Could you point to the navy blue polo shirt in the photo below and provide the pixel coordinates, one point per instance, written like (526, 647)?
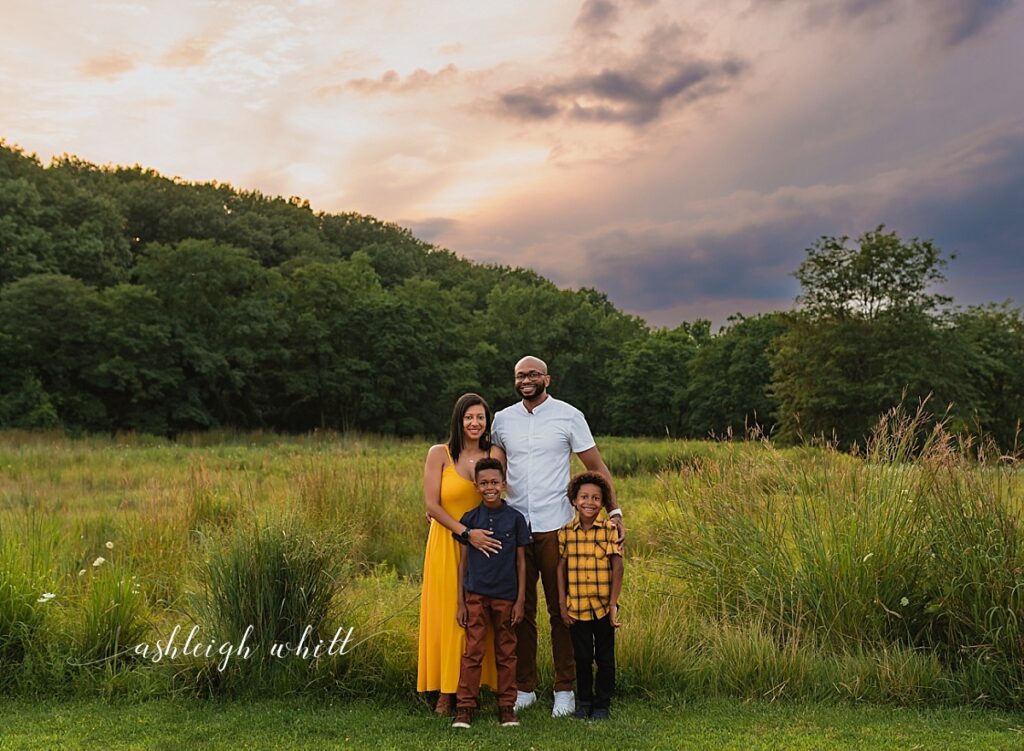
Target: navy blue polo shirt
(495, 576)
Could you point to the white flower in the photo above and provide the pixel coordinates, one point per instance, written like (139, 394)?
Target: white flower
(904, 601)
(82, 572)
(109, 545)
(100, 560)
(865, 558)
(47, 596)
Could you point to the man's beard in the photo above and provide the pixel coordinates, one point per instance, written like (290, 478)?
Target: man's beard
(538, 393)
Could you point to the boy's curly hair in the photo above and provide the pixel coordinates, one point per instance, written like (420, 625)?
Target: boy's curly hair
(589, 478)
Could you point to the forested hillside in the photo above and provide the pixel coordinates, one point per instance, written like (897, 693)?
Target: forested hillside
(131, 301)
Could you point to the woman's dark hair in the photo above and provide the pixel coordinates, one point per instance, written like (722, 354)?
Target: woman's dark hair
(463, 403)
(589, 478)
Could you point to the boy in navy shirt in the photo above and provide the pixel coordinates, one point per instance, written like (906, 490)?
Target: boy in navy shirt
(492, 592)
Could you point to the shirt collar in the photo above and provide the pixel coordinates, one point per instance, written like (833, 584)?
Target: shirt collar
(539, 408)
(599, 523)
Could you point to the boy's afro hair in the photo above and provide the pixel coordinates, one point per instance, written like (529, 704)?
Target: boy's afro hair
(589, 478)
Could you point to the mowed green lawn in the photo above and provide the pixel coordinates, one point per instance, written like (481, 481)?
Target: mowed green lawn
(637, 724)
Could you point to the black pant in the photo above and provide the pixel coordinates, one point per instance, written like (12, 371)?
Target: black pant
(594, 641)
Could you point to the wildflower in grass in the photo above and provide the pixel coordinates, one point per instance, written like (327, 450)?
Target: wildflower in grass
(865, 558)
(904, 601)
(109, 545)
(82, 572)
(46, 597)
(100, 560)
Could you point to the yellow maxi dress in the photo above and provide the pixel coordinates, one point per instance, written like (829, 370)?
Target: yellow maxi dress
(442, 640)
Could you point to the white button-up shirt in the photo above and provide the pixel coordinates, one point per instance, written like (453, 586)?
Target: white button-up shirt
(538, 446)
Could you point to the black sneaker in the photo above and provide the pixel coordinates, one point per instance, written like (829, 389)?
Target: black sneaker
(600, 713)
(582, 710)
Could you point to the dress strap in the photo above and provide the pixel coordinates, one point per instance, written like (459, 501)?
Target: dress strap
(448, 451)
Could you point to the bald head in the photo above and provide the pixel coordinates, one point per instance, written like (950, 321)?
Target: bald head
(531, 363)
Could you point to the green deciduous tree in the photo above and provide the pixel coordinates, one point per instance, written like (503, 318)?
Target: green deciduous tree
(881, 275)
(225, 315)
(870, 333)
(329, 317)
(729, 389)
(136, 373)
(649, 383)
(992, 340)
(47, 336)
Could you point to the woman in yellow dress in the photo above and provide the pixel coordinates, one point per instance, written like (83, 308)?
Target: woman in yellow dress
(449, 492)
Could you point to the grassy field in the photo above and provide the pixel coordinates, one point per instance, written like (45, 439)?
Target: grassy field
(637, 724)
(753, 572)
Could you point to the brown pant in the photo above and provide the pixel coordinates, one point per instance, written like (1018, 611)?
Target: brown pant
(542, 558)
(481, 611)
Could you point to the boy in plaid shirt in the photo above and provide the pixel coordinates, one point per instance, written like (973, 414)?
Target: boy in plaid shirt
(589, 582)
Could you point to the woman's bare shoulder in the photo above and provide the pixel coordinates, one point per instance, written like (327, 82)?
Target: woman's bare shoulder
(438, 453)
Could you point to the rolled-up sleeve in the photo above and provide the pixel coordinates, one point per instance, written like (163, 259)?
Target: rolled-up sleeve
(580, 437)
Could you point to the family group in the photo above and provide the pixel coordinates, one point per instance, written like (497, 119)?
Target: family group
(504, 512)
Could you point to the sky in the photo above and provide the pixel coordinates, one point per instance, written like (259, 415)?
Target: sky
(679, 156)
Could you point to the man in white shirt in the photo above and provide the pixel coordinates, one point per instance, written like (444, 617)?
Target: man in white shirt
(539, 435)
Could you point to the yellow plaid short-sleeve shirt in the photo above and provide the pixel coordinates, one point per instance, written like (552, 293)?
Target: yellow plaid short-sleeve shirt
(588, 555)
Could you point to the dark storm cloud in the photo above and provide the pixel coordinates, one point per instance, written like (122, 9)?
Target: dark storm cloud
(958, 20)
(636, 91)
(950, 21)
(635, 94)
(392, 83)
(657, 269)
(528, 104)
(597, 15)
(984, 225)
(826, 11)
(850, 10)
(969, 203)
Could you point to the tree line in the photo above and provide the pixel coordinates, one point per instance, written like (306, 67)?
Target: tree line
(134, 302)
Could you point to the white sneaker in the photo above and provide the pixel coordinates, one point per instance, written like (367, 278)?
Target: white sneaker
(524, 699)
(565, 704)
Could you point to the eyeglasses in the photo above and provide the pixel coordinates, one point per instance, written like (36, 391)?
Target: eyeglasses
(533, 375)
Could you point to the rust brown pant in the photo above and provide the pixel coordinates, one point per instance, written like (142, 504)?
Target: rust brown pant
(481, 611)
(542, 560)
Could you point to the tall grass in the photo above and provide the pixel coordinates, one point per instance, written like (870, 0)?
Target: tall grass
(751, 570)
(627, 457)
(378, 500)
(912, 548)
(111, 617)
(28, 545)
(273, 578)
